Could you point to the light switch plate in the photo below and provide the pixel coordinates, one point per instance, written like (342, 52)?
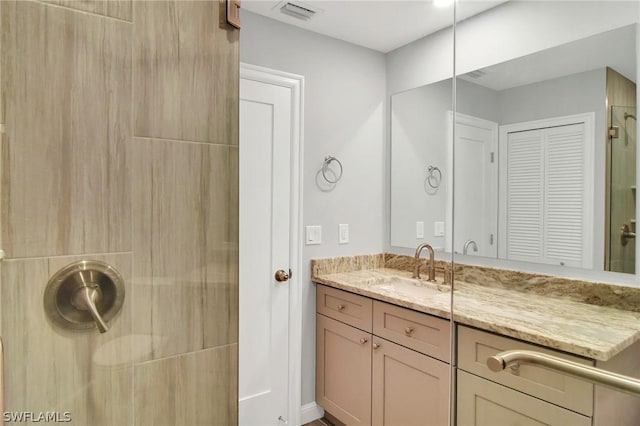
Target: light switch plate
(438, 229)
(343, 233)
(419, 229)
(313, 235)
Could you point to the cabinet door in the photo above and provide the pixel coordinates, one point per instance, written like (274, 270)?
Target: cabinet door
(409, 388)
(484, 403)
(343, 371)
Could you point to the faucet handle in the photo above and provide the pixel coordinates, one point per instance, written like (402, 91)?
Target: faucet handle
(447, 274)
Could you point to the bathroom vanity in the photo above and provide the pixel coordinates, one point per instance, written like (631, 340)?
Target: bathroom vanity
(384, 340)
(379, 363)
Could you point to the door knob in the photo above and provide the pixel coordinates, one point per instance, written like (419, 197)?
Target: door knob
(281, 275)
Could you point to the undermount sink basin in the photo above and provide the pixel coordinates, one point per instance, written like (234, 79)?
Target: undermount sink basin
(406, 286)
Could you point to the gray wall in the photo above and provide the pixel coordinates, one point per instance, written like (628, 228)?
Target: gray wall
(577, 93)
(478, 101)
(344, 116)
(419, 132)
(419, 121)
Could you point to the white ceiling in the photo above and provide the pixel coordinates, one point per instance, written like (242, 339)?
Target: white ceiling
(609, 49)
(381, 25)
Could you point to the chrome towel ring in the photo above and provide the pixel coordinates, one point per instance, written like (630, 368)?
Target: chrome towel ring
(325, 167)
(434, 176)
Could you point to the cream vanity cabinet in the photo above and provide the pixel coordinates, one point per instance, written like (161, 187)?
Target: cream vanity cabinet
(380, 364)
(524, 395)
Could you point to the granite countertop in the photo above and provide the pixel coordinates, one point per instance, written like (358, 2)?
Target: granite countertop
(597, 332)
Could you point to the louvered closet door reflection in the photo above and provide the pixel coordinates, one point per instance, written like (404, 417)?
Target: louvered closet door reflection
(525, 176)
(564, 195)
(546, 195)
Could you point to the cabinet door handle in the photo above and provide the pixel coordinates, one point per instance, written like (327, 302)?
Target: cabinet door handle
(408, 330)
(376, 346)
(340, 307)
(363, 340)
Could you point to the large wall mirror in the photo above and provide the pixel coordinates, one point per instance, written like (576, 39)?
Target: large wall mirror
(543, 167)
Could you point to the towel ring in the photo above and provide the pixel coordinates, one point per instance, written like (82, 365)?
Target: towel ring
(325, 166)
(434, 176)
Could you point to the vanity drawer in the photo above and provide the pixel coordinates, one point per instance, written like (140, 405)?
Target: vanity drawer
(482, 402)
(475, 346)
(421, 332)
(343, 306)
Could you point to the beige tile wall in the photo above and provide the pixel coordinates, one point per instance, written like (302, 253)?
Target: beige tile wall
(188, 283)
(121, 145)
(182, 58)
(51, 369)
(66, 88)
(181, 390)
(121, 9)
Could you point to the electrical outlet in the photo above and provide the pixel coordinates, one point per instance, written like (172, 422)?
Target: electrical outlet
(419, 229)
(438, 229)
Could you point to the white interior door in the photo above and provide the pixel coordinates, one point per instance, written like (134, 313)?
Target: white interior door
(476, 185)
(265, 199)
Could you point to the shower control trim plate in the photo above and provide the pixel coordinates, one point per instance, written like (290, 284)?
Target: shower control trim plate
(84, 295)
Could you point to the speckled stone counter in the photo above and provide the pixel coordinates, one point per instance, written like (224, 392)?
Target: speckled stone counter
(594, 320)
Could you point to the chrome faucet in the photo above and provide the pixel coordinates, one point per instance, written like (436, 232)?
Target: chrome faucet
(467, 244)
(432, 263)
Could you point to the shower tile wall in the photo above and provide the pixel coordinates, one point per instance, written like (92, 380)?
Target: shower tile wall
(49, 369)
(621, 92)
(184, 287)
(66, 87)
(120, 145)
(116, 9)
(180, 90)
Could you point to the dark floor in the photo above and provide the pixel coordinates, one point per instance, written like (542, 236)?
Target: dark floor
(319, 422)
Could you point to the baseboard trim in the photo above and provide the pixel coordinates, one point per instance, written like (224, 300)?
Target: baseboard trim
(310, 412)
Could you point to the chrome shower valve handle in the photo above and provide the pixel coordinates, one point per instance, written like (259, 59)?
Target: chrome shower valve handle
(84, 295)
(86, 298)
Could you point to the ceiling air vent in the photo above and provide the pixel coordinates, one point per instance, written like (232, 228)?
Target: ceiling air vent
(297, 10)
(477, 73)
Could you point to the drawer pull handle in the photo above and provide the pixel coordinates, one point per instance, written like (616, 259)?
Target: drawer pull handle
(363, 341)
(340, 307)
(598, 376)
(408, 330)
(376, 346)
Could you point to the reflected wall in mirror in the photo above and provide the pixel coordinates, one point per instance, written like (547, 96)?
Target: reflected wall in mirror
(537, 175)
